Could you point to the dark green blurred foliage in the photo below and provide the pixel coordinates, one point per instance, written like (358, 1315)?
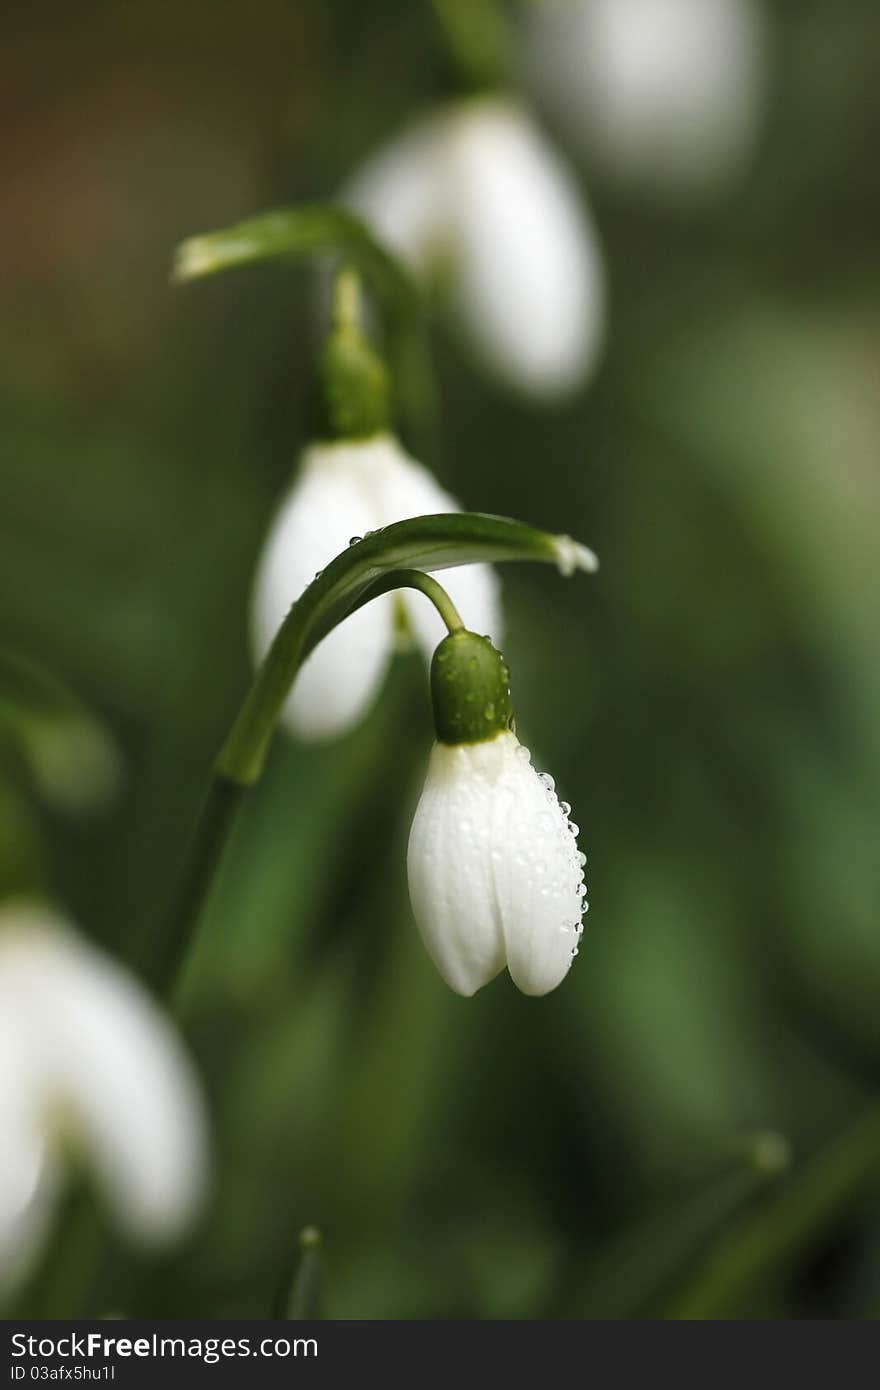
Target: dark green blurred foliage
(709, 703)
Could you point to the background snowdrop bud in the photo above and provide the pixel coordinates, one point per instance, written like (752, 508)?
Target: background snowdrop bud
(495, 875)
(666, 93)
(476, 196)
(528, 283)
(89, 1061)
(344, 490)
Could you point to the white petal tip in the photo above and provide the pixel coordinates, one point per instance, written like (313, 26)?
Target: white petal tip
(572, 556)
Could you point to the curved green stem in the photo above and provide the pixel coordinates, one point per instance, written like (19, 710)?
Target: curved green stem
(300, 233)
(424, 584)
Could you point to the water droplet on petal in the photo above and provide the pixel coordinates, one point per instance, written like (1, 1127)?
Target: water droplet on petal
(355, 540)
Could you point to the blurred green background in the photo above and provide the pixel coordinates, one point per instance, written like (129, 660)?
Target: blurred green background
(709, 703)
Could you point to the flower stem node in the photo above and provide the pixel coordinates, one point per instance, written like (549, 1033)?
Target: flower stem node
(353, 386)
(470, 689)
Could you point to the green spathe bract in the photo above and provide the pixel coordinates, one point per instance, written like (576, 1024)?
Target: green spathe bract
(354, 388)
(354, 578)
(470, 689)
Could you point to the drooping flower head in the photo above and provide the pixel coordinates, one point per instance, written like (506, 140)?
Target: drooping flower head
(91, 1068)
(355, 481)
(495, 874)
(475, 195)
(665, 94)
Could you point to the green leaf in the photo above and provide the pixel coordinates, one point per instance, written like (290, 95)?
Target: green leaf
(425, 543)
(298, 233)
(631, 1276)
(768, 1242)
(303, 1298)
(316, 229)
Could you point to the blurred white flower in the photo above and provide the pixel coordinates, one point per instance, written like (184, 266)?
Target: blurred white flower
(495, 875)
(476, 196)
(343, 490)
(666, 93)
(90, 1069)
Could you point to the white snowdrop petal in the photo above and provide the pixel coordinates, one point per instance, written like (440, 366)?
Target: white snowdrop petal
(332, 500)
(396, 191)
(338, 682)
(128, 1087)
(103, 1067)
(410, 490)
(665, 92)
(91, 1062)
(343, 491)
(27, 1186)
(494, 869)
(450, 867)
(537, 874)
(475, 197)
(529, 282)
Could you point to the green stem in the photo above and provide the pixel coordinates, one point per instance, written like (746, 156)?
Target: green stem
(347, 297)
(416, 579)
(224, 800)
(300, 1297)
(767, 1242)
(478, 40)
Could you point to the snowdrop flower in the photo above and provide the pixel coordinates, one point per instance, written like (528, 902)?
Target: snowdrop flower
(495, 874)
(89, 1067)
(343, 490)
(476, 195)
(666, 93)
